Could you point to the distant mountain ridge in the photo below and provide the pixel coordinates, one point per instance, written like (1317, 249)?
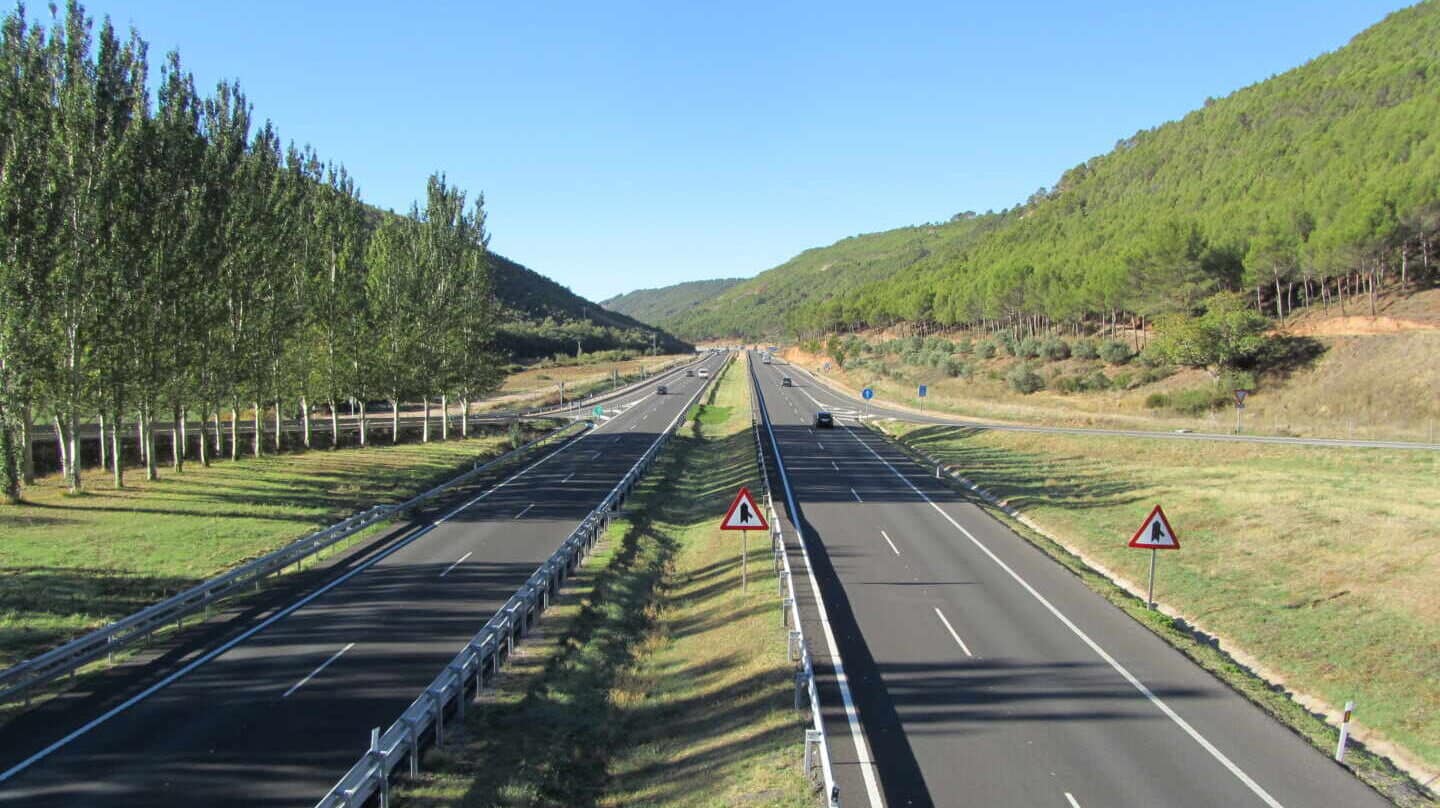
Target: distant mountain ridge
(662, 304)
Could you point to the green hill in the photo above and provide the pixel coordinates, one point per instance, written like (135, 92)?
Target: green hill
(660, 306)
(1317, 186)
(541, 318)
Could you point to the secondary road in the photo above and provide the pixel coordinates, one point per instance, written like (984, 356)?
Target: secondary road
(278, 717)
(845, 401)
(984, 673)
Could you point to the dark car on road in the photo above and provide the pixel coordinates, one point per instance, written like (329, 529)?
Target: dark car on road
(824, 420)
(661, 390)
(785, 382)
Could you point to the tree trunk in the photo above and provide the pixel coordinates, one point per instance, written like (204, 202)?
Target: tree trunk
(1404, 269)
(305, 418)
(177, 441)
(75, 460)
(204, 454)
(152, 471)
(219, 434)
(334, 426)
(115, 456)
(465, 417)
(1370, 279)
(394, 420)
(444, 418)
(425, 423)
(9, 461)
(279, 425)
(259, 430)
(104, 456)
(62, 447)
(27, 445)
(140, 437)
(235, 431)
(364, 424)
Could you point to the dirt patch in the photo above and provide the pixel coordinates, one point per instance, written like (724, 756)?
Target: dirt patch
(1358, 326)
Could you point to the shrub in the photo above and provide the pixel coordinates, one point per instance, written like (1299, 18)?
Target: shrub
(1028, 348)
(1154, 374)
(913, 358)
(1066, 384)
(985, 350)
(1116, 352)
(954, 368)
(965, 346)
(1157, 401)
(1199, 400)
(1095, 380)
(1085, 349)
(1123, 381)
(1055, 349)
(1008, 342)
(1023, 379)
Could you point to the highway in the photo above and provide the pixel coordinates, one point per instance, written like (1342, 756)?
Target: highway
(845, 401)
(281, 711)
(984, 673)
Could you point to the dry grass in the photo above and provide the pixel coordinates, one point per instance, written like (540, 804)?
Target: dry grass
(1320, 563)
(537, 379)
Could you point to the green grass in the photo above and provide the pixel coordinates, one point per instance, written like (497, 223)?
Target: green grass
(657, 682)
(1319, 563)
(69, 564)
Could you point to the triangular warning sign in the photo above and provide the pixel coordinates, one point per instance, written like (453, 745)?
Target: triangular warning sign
(1155, 533)
(743, 514)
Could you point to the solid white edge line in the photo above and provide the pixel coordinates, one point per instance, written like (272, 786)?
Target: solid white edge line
(312, 674)
(280, 615)
(953, 632)
(862, 749)
(1085, 638)
(523, 512)
(856, 496)
(1071, 799)
(891, 543)
(457, 563)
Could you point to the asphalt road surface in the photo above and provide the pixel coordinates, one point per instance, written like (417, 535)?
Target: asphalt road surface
(277, 718)
(984, 673)
(847, 403)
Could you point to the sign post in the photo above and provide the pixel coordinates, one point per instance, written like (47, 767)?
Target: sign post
(744, 516)
(1154, 534)
(922, 393)
(1239, 405)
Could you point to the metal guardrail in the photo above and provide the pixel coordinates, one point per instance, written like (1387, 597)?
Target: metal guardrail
(477, 663)
(817, 747)
(68, 658)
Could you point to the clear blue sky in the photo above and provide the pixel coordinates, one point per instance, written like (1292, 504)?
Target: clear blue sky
(624, 145)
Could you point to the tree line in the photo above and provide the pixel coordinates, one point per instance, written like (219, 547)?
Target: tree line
(165, 254)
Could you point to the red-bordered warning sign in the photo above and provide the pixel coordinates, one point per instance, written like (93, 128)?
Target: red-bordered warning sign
(744, 514)
(1155, 533)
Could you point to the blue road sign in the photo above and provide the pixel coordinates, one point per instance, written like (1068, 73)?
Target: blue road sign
(922, 391)
(867, 394)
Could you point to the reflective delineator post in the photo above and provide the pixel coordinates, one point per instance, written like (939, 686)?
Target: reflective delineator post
(1344, 732)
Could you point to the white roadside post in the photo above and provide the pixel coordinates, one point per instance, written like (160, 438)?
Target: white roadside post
(1344, 732)
(1154, 534)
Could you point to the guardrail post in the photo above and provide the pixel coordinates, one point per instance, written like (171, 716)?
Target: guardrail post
(785, 609)
(812, 749)
(414, 741)
(377, 759)
(795, 644)
(459, 671)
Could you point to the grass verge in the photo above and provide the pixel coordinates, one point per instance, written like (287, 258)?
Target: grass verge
(69, 564)
(658, 681)
(1315, 565)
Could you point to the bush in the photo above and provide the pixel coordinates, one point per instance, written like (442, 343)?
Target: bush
(1199, 400)
(1066, 384)
(1008, 342)
(913, 358)
(1028, 348)
(985, 350)
(1156, 401)
(1085, 349)
(965, 347)
(1055, 349)
(1123, 381)
(955, 368)
(1116, 352)
(1151, 375)
(1095, 380)
(1023, 379)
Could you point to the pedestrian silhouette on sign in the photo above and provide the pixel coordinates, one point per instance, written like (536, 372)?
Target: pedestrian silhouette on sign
(1157, 533)
(744, 513)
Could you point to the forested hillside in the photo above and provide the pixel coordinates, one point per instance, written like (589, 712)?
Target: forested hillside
(539, 317)
(1319, 186)
(660, 306)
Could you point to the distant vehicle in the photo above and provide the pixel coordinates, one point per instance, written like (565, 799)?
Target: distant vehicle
(689, 373)
(661, 390)
(704, 373)
(785, 382)
(824, 420)
(766, 359)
